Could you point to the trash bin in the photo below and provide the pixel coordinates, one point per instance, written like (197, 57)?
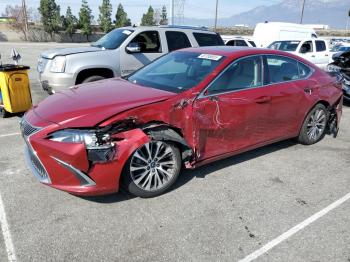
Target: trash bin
(15, 96)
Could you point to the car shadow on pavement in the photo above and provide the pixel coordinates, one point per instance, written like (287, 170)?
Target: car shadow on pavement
(201, 172)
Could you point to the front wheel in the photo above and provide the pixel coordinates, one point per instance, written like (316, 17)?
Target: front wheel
(152, 169)
(93, 79)
(314, 126)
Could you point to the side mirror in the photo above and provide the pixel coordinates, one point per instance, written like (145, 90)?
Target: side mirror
(133, 48)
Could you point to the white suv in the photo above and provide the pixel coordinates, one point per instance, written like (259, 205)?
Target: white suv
(118, 53)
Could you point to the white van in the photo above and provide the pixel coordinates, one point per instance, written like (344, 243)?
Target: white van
(266, 33)
(314, 50)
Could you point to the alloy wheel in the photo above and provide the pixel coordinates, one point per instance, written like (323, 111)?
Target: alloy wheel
(316, 124)
(153, 166)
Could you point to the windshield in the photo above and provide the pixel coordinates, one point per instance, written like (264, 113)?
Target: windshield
(113, 39)
(285, 45)
(177, 71)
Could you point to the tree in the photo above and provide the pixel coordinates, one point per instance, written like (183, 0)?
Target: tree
(163, 16)
(70, 23)
(19, 22)
(50, 16)
(104, 19)
(121, 17)
(85, 19)
(148, 18)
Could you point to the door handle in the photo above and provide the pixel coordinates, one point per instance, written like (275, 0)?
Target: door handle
(308, 90)
(261, 100)
(313, 56)
(326, 55)
(214, 98)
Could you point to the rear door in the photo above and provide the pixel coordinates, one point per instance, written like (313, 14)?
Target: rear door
(288, 89)
(233, 112)
(322, 55)
(151, 49)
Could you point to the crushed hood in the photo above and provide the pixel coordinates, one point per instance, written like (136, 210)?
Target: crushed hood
(52, 53)
(89, 104)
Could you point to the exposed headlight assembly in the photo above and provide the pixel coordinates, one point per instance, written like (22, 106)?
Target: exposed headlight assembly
(58, 64)
(99, 146)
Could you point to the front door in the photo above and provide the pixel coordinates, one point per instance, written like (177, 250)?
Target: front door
(307, 51)
(232, 112)
(151, 49)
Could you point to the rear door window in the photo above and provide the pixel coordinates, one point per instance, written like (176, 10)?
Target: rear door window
(281, 69)
(177, 40)
(320, 46)
(204, 39)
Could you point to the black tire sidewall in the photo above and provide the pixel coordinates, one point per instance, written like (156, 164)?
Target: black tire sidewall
(303, 137)
(128, 184)
(93, 79)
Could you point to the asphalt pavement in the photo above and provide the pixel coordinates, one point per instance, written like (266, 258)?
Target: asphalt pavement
(224, 211)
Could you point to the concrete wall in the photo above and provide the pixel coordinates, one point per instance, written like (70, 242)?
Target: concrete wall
(7, 34)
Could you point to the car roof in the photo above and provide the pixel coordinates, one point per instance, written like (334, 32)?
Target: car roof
(235, 51)
(171, 28)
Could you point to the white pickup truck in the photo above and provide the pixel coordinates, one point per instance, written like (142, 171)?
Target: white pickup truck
(313, 50)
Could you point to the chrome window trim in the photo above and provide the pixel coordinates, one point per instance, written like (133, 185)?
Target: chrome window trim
(202, 95)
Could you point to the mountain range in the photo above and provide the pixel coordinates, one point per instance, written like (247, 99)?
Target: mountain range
(332, 12)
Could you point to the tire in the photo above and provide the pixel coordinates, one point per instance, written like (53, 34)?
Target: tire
(4, 113)
(147, 174)
(93, 79)
(314, 126)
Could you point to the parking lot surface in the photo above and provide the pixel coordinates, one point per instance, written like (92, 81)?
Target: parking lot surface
(224, 211)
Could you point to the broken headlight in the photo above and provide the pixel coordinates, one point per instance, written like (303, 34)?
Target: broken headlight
(87, 137)
(99, 146)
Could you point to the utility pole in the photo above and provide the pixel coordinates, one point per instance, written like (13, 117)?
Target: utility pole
(173, 12)
(302, 12)
(216, 15)
(25, 17)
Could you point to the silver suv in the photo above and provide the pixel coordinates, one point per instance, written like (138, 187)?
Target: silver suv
(118, 53)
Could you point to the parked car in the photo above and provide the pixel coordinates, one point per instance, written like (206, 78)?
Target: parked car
(340, 68)
(188, 108)
(266, 33)
(237, 41)
(338, 49)
(314, 50)
(118, 53)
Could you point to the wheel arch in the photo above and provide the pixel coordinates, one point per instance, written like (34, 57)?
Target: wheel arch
(165, 132)
(87, 72)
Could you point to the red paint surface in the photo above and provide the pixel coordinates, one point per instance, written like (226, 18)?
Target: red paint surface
(236, 122)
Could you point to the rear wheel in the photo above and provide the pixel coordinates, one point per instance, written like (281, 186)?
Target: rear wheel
(152, 169)
(93, 79)
(314, 126)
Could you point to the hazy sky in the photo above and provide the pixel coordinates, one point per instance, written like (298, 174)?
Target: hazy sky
(135, 8)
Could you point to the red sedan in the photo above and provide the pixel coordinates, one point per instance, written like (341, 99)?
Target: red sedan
(186, 109)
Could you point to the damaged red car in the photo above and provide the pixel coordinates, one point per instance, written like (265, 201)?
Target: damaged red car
(186, 109)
